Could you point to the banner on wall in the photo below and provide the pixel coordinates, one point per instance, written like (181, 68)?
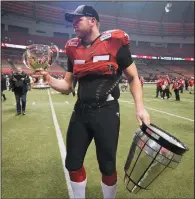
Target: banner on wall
(134, 56)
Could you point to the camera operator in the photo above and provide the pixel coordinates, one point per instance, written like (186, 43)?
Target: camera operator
(20, 81)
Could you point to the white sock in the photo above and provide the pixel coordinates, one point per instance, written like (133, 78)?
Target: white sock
(108, 191)
(78, 188)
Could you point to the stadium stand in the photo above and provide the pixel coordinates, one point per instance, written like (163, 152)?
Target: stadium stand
(150, 69)
(143, 48)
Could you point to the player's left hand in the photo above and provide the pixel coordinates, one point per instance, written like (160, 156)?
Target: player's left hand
(142, 115)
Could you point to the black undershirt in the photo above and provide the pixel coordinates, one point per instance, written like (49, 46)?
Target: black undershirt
(96, 87)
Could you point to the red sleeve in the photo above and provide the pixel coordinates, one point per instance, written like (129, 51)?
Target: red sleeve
(119, 37)
(122, 36)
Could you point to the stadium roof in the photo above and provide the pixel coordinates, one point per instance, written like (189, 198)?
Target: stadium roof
(182, 11)
(140, 18)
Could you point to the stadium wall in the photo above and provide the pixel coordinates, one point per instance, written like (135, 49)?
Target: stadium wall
(50, 28)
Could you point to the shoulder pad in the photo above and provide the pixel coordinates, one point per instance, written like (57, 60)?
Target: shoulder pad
(72, 42)
(106, 35)
(110, 31)
(116, 34)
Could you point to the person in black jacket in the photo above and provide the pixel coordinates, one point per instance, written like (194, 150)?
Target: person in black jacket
(3, 86)
(20, 81)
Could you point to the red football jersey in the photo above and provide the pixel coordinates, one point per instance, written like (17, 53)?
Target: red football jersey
(100, 57)
(182, 82)
(165, 82)
(159, 82)
(176, 84)
(191, 82)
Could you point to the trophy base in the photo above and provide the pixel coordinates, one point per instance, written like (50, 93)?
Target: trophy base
(41, 86)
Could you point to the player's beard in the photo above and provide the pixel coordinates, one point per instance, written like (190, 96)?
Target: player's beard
(82, 34)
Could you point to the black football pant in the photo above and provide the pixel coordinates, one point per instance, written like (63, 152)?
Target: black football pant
(101, 124)
(177, 97)
(158, 90)
(166, 92)
(181, 89)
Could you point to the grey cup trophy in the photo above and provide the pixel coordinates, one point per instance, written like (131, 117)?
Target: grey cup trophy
(40, 57)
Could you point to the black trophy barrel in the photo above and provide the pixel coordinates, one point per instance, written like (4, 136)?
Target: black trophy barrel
(162, 141)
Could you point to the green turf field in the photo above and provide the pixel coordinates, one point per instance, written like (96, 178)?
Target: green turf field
(31, 161)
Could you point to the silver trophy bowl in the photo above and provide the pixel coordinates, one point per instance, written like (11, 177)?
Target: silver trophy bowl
(153, 151)
(40, 57)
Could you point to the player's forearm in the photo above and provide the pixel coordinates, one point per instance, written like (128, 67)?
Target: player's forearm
(60, 85)
(136, 91)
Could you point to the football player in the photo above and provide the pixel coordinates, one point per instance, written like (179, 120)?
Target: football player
(159, 86)
(175, 87)
(191, 84)
(97, 60)
(165, 87)
(124, 87)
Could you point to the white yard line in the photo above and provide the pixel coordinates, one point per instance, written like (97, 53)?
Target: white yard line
(185, 118)
(161, 100)
(171, 99)
(61, 146)
(186, 100)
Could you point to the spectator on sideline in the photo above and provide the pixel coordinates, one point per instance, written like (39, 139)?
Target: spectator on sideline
(20, 82)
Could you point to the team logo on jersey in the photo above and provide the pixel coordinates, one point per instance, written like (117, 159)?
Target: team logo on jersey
(105, 36)
(73, 43)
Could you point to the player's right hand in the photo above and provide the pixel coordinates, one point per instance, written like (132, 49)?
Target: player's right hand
(43, 73)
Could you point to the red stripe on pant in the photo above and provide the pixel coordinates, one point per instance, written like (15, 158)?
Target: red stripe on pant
(109, 180)
(78, 176)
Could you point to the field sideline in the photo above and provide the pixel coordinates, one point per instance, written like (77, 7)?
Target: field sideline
(32, 162)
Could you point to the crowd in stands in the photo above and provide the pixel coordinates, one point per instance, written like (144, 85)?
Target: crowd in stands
(143, 48)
